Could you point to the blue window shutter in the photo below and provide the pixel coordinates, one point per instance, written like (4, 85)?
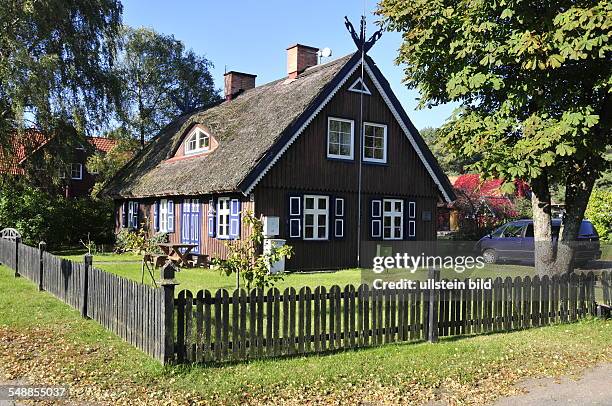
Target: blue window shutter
(376, 219)
(156, 216)
(295, 216)
(170, 216)
(212, 225)
(338, 217)
(124, 215)
(234, 232)
(410, 220)
(136, 219)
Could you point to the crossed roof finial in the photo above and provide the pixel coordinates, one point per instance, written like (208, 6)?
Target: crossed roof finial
(360, 40)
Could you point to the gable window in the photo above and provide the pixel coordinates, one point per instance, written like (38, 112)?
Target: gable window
(374, 142)
(340, 138)
(316, 214)
(393, 219)
(76, 171)
(223, 217)
(198, 141)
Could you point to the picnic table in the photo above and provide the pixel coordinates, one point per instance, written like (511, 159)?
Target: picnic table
(179, 253)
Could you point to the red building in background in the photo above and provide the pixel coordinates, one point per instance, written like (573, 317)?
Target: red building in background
(77, 180)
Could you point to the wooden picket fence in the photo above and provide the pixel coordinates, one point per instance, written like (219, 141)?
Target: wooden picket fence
(256, 324)
(132, 311)
(243, 325)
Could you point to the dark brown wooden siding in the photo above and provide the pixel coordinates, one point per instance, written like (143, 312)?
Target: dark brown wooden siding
(212, 246)
(305, 168)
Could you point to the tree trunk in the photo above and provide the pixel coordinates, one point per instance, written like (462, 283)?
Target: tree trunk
(542, 230)
(578, 188)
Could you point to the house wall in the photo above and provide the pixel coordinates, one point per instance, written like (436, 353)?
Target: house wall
(305, 168)
(214, 247)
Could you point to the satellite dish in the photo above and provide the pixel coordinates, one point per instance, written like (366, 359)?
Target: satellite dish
(325, 52)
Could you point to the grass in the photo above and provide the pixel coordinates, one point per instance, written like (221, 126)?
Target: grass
(45, 341)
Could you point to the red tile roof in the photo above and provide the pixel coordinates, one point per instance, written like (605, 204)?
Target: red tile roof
(102, 144)
(30, 141)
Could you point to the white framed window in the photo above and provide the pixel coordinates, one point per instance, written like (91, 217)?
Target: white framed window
(374, 142)
(76, 171)
(132, 215)
(197, 141)
(163, 215)
(223, 217)
(316, 217)
(393, 219)
(340, 138)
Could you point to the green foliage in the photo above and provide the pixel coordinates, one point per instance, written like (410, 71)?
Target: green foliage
(522, 208)
(41, 216)
(107, 165)
(599, 212)
(160, 80)
(245, 258)
(534, 83)
(138, 241)
(55, 58)
(451, 162)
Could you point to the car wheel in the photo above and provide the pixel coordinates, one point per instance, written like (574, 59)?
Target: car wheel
(490, 256)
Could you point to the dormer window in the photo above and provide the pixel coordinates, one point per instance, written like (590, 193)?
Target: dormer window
(198, 141)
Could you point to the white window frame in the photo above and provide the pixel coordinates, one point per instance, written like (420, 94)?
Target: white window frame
(337, 156)
(375, 160)
(315, 212)
(195, 136)
(163, 216)
(393, 214)
(223, 217)
(130, 219)
(80, 167)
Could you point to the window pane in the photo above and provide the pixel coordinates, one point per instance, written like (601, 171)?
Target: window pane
(334, 149)
(345, 150)
(387, 205)
(334, 125)
(308, 231)
(334, 137)
(398, 206)
(309, 203)
(321, 220)
(322, 204)
(309, 219)
(321, 232)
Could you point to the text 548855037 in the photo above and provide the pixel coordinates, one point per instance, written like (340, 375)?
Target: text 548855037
(41, 392)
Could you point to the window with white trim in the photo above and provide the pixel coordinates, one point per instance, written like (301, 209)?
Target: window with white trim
(223, 217)
(132, 214)
(393, 219)
(340, 138)
(76, 171)
(163, 215)
(198, 141)
(316, 217)
(374, 142)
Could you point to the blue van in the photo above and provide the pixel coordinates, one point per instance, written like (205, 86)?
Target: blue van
(514, 242)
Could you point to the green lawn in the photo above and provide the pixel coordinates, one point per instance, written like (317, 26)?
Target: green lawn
(45, 341)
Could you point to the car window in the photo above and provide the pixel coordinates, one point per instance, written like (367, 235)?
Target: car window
(529, 231)
(498, 232)
(513, 230)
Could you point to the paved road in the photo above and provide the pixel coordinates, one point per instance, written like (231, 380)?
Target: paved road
(593, 388)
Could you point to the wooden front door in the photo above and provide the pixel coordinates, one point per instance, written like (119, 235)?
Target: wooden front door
(190, 224)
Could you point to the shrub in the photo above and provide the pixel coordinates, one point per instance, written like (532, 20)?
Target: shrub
(138, 242)
(599, 212)
(59, 221)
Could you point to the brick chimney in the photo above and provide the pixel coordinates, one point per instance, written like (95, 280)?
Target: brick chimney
(300, 57)
(236, 82)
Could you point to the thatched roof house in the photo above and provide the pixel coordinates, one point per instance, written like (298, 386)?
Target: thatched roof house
(293, 151)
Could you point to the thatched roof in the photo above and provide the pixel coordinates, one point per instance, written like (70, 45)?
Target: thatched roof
(245, 127)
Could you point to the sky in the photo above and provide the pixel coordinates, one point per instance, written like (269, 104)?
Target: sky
(252, 36)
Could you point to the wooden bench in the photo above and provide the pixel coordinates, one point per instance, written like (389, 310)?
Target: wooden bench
(198, 260)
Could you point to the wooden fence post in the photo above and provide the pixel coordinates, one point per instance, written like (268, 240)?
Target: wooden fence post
(41, 249)
(168, 284)
(17, 242)
(432, 322)
(88, 260)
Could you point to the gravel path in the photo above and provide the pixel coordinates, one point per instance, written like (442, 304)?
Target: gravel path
(594, 387)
